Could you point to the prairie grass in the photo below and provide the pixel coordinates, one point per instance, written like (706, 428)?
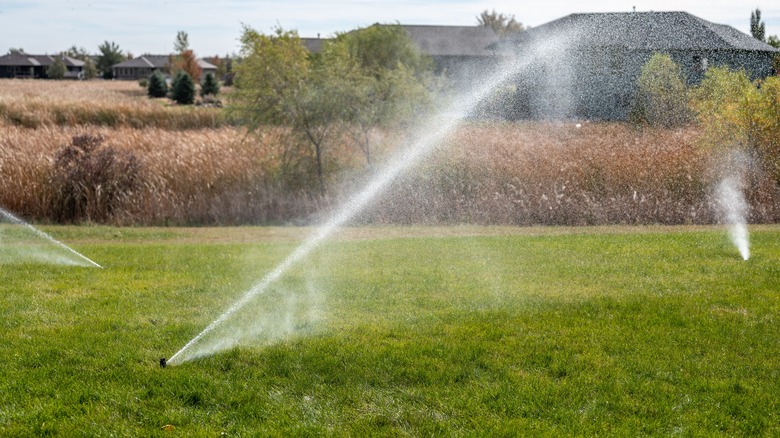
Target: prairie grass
(514, 174)
(35, 104)
(198, 170)
(558, 174)
(196, 177)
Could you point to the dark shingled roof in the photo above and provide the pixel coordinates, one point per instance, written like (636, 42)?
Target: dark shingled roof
(642, 31)
(158, 61)
(145, 61)
(452, 40)
(27, 60)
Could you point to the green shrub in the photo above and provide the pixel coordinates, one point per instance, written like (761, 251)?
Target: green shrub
(57, 70)
(661, 98)
(157, 86)
(183, 89)
(210, 86)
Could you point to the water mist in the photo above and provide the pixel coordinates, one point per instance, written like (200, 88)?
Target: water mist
(733, 210)
(55, 252)
(428, 137)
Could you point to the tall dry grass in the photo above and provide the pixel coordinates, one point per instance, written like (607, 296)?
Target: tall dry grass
(212, 176)
(199, 171)
(510, 174)
(35, 104)
(558, 174)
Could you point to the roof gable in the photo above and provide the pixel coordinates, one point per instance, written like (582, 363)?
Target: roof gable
(205, 65)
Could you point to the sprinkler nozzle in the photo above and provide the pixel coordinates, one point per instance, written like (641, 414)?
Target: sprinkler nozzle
(163, 362)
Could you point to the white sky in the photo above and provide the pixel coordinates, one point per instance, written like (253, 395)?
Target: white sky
(214, 26)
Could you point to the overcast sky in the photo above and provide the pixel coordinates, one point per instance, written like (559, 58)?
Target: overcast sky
(150, 26)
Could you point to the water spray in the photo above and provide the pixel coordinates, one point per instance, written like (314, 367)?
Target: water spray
(734, 210)
(15, 220)
(431, 135)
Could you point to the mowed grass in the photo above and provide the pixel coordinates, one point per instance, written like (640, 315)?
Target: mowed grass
(419, 331)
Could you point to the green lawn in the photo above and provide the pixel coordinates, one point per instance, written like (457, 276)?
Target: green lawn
(397, 331)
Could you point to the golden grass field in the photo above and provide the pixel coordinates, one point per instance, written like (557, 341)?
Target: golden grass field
(36, 103)
(201, 172)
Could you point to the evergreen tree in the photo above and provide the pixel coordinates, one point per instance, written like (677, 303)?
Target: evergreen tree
(183, 90)
(157, 86)
(210, 86)
(757, 28)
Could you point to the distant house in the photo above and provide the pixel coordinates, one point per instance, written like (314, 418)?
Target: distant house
(459, 52)
(143, 66)
(207, 67)
(587, 65)
(23, 65)
(314, 45)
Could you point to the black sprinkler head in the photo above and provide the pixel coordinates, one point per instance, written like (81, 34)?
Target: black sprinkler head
(163, 362)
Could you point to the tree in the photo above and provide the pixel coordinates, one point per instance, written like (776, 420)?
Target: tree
(757, 28)
(222, 65)
(273, 72)
(210, 86)
(89, 70)
(182, 42)
(735, 113)
(15, 50)
(385, 47)
(109, 56)
(773, 41)
(184, 59)
(661, 98)
(57, 70)
(189, 64)
(501, 24)
(378, 92)
(273, 86)
(354, 83)
(183, 90)
(157, 86)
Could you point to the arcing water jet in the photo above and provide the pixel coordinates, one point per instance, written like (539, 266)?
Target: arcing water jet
(430, 135)
(79, 259)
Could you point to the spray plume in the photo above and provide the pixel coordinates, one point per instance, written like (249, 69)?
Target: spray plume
(80, 258)
(430, 135)
(733, 210)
